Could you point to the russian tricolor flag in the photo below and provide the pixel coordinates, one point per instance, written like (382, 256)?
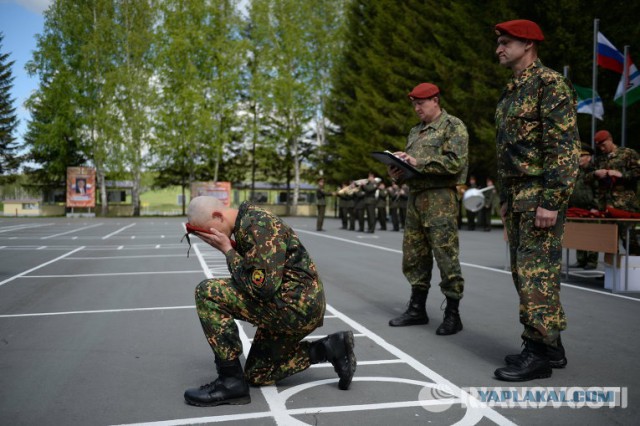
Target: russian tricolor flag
(608, 56)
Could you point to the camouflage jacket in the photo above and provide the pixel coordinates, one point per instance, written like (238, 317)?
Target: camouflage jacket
(441, 149)
(620, 192)
(537, 140)
(269, 261)
(583, 195)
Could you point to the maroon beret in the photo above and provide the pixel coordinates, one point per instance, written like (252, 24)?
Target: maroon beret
(520, 28)
(424, 91)
(601, 135)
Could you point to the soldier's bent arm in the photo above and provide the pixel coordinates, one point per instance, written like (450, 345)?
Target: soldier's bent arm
(259, 272)
(560, 144)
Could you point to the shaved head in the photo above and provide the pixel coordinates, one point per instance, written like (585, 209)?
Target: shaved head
(200, 210)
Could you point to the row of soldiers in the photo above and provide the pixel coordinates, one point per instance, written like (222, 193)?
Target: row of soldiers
(370, 200)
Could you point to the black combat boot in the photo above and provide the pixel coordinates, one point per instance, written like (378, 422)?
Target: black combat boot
(416, 313)
(337, 348)
(557, 358)
(451, 324)
(534, 364)
(229, 388)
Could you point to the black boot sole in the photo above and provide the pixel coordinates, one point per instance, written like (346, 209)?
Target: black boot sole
(441, 332)
(345, 382)
(242, 400)
(542, 374)
(421, 321)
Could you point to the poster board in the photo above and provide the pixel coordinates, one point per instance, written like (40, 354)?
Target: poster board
(81, 187)
(219, 190)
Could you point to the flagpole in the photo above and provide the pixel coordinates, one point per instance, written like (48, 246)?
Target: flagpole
(625, 83)
(594, 81)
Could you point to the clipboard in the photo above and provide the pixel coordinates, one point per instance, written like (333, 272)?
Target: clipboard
(389, 159)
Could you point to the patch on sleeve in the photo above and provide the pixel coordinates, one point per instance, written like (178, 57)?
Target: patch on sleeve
(257, 277)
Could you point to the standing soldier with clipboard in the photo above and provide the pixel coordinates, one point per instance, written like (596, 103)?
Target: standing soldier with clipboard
(438, 149)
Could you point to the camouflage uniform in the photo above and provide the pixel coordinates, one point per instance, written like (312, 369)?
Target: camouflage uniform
(274, 285)
(538, 151)
(321, 204)
(381, 205)
(619, 193)
(369, 189)
(441, 151)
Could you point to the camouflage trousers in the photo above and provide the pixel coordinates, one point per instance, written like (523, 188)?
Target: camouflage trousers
(277, 350)
(536, 261)
(422, 243)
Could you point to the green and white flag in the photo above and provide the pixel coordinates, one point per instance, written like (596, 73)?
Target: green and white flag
(585, 102)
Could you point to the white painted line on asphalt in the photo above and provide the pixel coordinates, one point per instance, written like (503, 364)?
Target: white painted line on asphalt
(20, 275)
(376, 362)
(120, 247)
(331, 237)
(23, 226)
(74, 238)
(157, 246)
(115, 274)
(100, 311)
(118, 231)
(125, 257)
(41, 248)
(70, 232)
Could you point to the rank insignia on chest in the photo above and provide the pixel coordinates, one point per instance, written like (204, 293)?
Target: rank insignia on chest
(257, 277)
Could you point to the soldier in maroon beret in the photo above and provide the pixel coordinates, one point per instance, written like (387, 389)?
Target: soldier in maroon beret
(538, 149)
(438, 147)
(520, 28)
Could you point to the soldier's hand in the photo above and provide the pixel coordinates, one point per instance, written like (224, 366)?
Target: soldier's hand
(545, 218)
(395, 172)
(406, 158)
(601, 173)
(503, 212)
(216, 239)
(614, 173)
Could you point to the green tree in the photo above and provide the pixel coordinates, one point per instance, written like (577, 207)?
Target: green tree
(199, 63)
(130, 85)
(9, 159)
(74, 57)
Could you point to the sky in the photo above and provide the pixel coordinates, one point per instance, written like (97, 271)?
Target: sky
(20, 21)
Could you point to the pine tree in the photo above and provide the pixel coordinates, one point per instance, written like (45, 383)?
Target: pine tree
(9, 159)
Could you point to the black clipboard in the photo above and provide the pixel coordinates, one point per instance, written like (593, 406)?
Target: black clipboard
(389, 159)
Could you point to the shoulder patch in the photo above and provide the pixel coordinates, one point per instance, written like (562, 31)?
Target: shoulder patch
(258, 277)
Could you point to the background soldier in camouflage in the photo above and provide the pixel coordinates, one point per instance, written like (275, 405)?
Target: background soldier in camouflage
(437, 147)
(321, 204)
(537, 147)
(381, 205)
(274, 285)
(583, 197)
(618, 172)
(394, 205)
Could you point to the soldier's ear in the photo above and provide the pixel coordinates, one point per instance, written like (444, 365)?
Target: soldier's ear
(217, 215)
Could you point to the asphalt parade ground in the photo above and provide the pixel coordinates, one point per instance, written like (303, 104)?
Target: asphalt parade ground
(98, 327)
